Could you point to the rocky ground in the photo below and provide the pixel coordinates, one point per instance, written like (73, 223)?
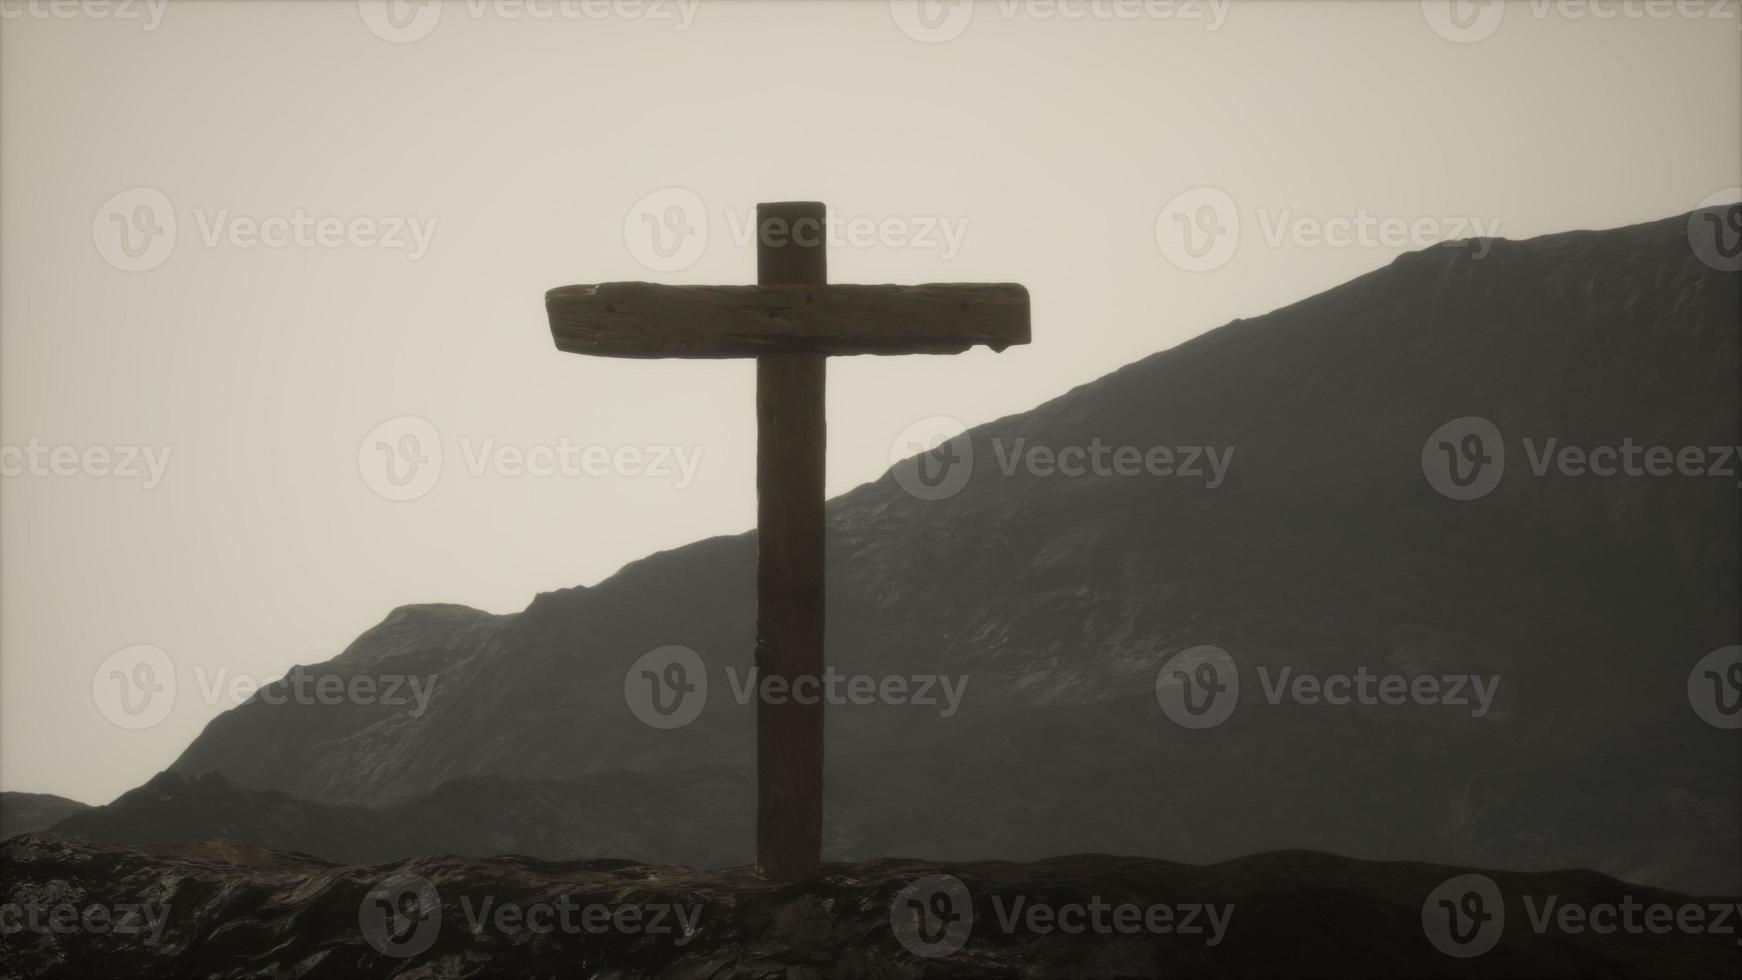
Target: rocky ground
(227, 910)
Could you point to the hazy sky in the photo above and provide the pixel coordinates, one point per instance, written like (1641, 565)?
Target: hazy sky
(423, 175)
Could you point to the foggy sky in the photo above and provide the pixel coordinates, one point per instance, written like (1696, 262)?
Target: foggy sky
(511, 153)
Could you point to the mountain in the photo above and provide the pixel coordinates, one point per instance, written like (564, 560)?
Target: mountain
(218, 910)
(23, 812)
(1586, 601)
(700, 821)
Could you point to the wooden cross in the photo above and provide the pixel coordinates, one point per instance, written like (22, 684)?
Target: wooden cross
(790, 321)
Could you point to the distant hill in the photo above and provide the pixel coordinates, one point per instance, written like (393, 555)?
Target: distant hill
(700, 821)
(23, 812)
(1324, 550)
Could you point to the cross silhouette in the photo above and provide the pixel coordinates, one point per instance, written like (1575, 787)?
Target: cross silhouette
(790, 321)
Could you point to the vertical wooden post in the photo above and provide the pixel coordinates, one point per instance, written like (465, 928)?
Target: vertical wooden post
(791, 437)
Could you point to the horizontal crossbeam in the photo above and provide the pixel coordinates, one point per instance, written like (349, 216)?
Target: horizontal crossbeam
(642, 319)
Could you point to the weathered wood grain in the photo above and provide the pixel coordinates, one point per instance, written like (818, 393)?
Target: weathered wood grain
(649, 320)
(791, 443)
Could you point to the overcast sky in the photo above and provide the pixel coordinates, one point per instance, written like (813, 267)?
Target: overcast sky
(236, 238)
